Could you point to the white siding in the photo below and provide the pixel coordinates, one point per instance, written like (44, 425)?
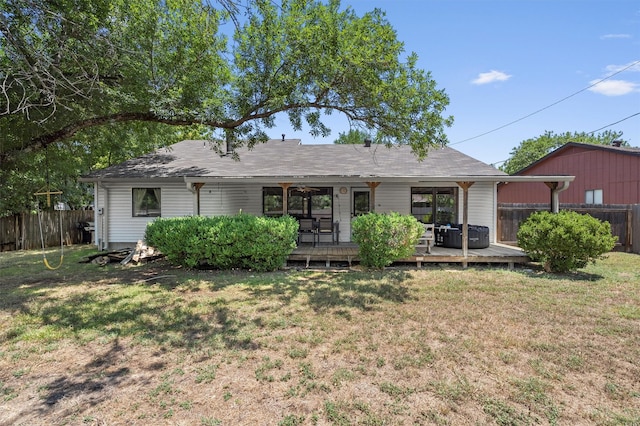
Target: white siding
(396, 197)
(218, 199)
(481, 209)
(342, 211)
(122, 228)
(117, 227)
(176, 200)
(100, 205)
(393, 197)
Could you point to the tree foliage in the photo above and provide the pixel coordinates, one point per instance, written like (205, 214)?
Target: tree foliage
(109, 79)
(68, 66)
(531, 150)
(352, 137)
(60, 164)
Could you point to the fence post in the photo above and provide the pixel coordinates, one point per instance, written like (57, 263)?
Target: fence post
(635, 228)
(16, 230)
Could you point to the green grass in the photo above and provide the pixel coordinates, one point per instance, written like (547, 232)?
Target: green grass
(438, 345)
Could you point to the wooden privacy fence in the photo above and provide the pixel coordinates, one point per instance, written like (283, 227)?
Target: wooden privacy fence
(624, 219)
(22, 231)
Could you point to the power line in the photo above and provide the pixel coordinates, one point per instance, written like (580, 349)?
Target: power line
(553, 104)
(613, 124)
(494, 164)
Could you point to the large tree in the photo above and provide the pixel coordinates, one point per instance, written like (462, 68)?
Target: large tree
(68, 65)
(97, 78)
(531, 150)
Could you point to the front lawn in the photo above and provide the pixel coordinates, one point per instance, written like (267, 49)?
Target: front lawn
(153, 344)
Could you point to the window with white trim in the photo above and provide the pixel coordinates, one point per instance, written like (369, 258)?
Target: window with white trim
(145, 202)
(593, 196)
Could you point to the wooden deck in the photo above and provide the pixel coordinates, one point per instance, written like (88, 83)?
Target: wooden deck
(348, 253)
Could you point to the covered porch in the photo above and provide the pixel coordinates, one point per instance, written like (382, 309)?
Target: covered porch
(347, 253)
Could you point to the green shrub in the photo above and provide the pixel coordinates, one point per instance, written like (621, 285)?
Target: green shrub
(565, 241)
(225, 242)
(384, 238)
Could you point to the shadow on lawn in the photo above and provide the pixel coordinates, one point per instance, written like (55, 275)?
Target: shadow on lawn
(93, 383)
(538, 272)
(157, 313)
(154, 311)
(140, 302)
(338, 290)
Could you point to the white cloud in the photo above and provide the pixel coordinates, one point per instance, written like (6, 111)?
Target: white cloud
(490, 77)
(610, 36)
(614, 87)
(631, 66)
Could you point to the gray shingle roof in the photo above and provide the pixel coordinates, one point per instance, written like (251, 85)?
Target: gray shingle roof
(290, 158)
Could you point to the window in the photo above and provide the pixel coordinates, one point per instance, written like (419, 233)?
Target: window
(361, 203)
(146, 202)
(593, 196)
(302, 202)
(322, 203)
(311, 202)
(272, 201)
(434, 205)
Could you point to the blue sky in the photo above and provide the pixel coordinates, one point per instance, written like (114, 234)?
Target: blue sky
(503, 60)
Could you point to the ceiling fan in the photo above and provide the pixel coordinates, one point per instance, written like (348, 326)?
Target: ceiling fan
(306, 189)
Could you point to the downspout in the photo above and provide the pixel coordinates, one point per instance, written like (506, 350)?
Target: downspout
(103, 213)
(555, 199)
(97, 227)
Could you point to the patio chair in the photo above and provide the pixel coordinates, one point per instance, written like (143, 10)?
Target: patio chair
(427, 238)
(306, 228)
(326, 227)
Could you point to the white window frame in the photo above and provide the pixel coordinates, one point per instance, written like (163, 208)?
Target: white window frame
(593, 196)
(140, 194)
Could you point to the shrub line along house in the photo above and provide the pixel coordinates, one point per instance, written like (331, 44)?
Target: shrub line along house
(284, 176)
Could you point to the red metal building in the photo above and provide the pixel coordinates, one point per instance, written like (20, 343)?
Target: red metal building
(605, 175)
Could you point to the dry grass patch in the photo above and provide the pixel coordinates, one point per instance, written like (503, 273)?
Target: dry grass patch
(114, 345)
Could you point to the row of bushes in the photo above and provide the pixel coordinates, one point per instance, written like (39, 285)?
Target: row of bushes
(562, 242)
(264, 243)
(225, 242)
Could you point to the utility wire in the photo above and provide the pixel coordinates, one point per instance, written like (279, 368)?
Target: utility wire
(597, 130)
(549, 106)
(612, 124)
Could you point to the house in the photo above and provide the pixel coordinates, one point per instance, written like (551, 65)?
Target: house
(334, 182)
(605, 175)
(606, 186)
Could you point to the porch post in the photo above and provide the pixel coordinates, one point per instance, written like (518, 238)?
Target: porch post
(196, 187)
(372, 186)
(285, 196)
(465, 218)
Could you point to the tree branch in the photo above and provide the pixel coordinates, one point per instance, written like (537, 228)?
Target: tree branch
(70, 130)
